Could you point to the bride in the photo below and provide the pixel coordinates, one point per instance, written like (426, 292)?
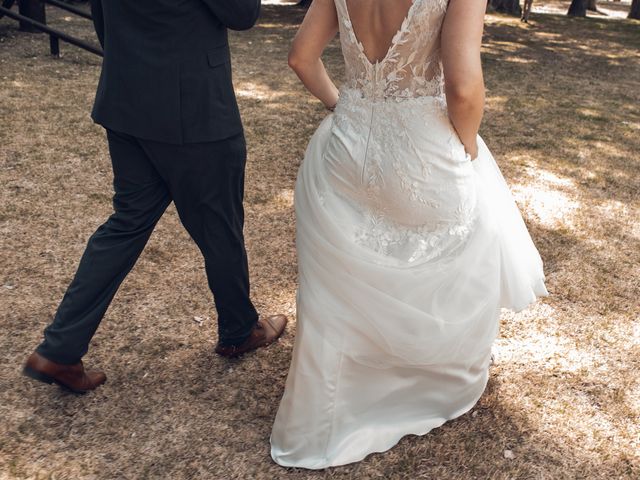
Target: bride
(408, 238)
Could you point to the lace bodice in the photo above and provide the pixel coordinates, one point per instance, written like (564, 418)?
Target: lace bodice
(411, 67)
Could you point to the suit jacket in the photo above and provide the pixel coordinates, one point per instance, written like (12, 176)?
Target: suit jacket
(166, 73)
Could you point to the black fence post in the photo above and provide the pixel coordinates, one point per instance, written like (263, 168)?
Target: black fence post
(33, 9)
(55, 36)
(54, 45)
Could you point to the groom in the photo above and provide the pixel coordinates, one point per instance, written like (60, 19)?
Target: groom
(166, 100)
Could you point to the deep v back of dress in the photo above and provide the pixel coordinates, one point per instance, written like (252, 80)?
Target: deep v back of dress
(376, 23)
(400, 55)
(406, 251)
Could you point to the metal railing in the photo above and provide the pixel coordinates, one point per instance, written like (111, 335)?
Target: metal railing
(55, 36)
(69, 8)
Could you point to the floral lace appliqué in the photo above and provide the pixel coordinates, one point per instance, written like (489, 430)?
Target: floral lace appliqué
(377, 103)
(412, 66)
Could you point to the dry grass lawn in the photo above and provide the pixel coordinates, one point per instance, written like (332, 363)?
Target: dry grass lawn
(564, 396)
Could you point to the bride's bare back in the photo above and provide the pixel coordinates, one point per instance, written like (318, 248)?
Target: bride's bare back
(376, 22)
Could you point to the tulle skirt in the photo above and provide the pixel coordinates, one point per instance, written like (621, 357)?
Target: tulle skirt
(407, 251)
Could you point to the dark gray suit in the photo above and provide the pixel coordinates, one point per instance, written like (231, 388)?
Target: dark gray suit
(166, 74)
(166, 99)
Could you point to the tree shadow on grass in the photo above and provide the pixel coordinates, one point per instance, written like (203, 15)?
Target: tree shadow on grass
(569, 110)
(210, 419)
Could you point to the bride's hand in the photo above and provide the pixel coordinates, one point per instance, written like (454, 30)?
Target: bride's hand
(473, 151)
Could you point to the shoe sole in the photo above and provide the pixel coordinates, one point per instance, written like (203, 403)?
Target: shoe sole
(240, 354)
(41, 377)
(264, 345)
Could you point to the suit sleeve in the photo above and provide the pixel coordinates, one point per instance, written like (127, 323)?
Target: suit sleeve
(98, 19)
(235, 14)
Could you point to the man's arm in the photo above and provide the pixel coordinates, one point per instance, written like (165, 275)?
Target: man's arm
(235, 14)
(98, 19)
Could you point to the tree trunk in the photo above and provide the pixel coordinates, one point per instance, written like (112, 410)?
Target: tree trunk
(635, 10)
(526, 10)
(507, 6)
(578, 8)
(591, 5)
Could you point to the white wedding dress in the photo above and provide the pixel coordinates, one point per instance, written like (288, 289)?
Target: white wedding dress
(407, 251)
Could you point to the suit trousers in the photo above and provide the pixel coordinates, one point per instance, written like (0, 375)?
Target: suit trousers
(206, 183)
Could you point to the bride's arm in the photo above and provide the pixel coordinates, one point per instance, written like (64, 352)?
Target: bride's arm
(319, 27)
(464, 84)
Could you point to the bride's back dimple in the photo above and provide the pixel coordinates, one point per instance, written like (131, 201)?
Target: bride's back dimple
(376, 22)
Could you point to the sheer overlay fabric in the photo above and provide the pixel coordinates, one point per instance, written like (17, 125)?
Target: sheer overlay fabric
(411, 67)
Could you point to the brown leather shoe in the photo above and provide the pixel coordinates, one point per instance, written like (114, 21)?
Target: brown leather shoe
(266, 331)
(72, 377)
